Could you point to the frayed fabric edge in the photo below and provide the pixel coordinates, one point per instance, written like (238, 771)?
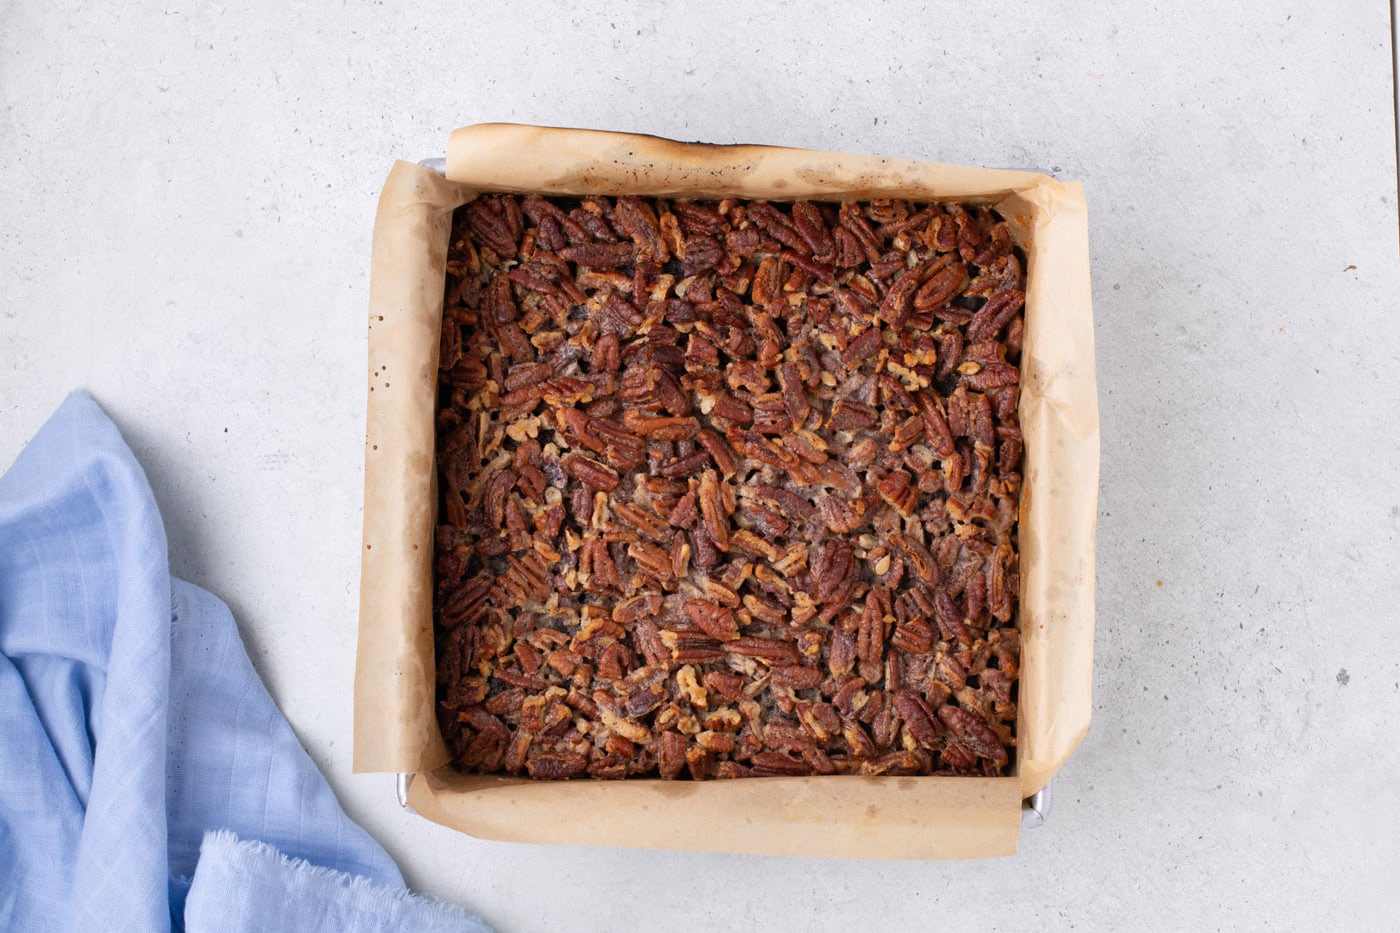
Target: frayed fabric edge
(370, 899)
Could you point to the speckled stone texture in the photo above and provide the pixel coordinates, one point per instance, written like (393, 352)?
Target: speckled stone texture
(187, 204)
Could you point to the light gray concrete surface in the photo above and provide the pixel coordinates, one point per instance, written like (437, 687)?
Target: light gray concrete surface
(185, 217)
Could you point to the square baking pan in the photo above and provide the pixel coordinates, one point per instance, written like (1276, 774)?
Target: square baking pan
(898, 817)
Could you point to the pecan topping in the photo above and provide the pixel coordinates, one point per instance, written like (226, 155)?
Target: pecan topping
(728, 489)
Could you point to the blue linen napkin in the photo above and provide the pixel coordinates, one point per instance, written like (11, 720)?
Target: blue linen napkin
(132, 724)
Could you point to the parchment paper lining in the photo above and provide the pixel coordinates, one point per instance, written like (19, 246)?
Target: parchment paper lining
(925, 817)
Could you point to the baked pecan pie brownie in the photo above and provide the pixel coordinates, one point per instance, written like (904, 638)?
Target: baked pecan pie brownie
(728, 488)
